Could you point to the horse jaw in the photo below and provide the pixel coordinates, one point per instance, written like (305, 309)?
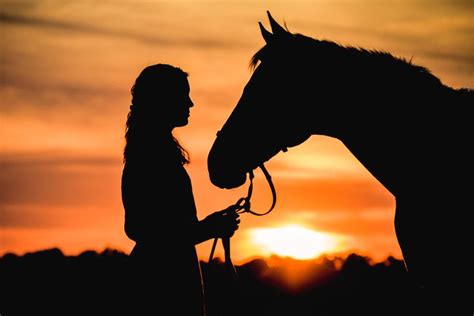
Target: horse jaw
(221, 169)
(297, 139)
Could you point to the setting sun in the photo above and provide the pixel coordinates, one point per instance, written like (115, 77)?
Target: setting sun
(294, 241)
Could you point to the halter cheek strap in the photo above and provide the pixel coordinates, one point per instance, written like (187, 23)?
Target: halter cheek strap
(243, 206)
(244, 203)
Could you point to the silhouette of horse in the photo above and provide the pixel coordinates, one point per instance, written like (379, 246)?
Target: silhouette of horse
(406, 127)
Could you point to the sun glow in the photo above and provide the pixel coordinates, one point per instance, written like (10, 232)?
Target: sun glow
(294, 241)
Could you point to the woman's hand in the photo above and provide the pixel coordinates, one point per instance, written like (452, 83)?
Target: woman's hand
(224, 223)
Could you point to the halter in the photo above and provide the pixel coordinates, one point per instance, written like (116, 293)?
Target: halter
(243, 206)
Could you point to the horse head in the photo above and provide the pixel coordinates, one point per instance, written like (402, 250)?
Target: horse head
(262, 124)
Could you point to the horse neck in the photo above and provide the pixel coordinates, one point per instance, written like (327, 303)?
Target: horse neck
(368, 86)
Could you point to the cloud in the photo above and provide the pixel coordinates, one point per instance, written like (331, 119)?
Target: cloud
(460, 57)
(48, 96)
(60, 182)
(49, 159)
(40, 22)
(349, 222)
(36, 216)
(201, 42)
(332, 193)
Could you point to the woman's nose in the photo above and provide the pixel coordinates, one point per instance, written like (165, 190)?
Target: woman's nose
(190, 103)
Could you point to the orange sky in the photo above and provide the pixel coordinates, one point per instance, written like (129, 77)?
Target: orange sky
(66, 72)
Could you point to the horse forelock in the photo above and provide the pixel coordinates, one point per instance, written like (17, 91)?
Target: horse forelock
(257, 58)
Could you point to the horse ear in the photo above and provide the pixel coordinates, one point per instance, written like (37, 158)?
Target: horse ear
(277, 29)
(267, 36)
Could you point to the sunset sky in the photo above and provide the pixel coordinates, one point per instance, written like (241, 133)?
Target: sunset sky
(66, 71)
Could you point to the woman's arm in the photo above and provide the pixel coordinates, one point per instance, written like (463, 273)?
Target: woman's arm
(219, 224)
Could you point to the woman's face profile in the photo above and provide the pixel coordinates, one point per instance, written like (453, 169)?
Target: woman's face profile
(181, 104)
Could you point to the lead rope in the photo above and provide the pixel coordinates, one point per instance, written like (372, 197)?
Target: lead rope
(243, 206)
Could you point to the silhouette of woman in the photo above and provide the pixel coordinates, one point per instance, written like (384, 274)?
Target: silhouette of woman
(160, 213)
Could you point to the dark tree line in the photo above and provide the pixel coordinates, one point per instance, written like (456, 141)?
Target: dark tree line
(48, 282)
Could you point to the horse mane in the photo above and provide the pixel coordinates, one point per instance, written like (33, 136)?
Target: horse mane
(300, 45)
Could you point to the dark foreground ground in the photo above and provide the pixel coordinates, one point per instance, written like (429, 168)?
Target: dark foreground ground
(47, 282)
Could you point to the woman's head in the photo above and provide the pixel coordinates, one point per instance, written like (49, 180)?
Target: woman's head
(160, 102)
(161, 95)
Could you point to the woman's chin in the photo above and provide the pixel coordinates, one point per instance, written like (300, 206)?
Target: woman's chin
(182, 123)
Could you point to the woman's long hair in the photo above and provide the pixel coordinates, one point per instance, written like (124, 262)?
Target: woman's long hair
(152, 96)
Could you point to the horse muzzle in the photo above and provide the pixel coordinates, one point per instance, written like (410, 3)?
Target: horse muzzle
(223, 172)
